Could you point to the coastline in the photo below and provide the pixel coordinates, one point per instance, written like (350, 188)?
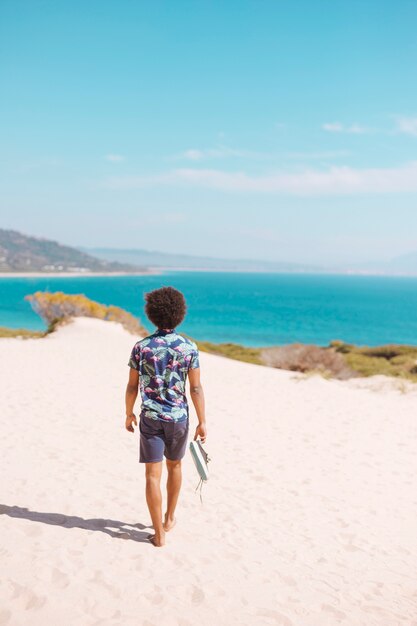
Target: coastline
(303, 272)
(72, 274)
(154, 271)
(391, 348)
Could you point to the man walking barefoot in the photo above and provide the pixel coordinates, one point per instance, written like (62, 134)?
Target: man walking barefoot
(159, 366)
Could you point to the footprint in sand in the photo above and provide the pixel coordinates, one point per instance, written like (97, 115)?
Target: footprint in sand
(331, 609)
(288, 580)
(274, 617)
(342, 522)
(4, 617)
(349, 547)
(156, 597)
(59, 579)
(35, 602)
(197, 596)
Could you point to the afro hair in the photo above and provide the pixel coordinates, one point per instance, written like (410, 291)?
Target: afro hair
(165, 307)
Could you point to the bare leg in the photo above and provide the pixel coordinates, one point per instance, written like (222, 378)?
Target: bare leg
(173, 489)
(154, 501)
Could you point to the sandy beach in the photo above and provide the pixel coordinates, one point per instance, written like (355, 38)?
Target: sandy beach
(308, 519)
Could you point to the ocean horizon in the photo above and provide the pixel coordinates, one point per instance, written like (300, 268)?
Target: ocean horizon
(249, 308)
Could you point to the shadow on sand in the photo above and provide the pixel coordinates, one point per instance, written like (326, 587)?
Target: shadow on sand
(114, 528)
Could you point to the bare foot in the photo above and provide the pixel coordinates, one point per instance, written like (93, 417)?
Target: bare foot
(169, 523)
(157, 541)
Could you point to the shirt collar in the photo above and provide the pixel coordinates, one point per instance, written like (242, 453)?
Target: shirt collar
(164, 331)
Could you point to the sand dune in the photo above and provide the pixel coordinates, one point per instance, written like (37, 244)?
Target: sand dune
(309, 517)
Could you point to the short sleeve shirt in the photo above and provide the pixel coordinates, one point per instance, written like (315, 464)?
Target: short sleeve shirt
(163, 360)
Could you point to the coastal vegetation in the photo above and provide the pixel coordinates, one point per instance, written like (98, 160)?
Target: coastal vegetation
(337, 360)
(232, 351)
(24, 333)
(298, 357)
(58, 308)
(390, 360)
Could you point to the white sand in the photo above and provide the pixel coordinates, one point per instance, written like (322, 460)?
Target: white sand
(309, 517)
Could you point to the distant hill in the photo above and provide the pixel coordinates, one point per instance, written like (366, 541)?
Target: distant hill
(156, 259)
(405, 263)
(402, 265)
(22, 253)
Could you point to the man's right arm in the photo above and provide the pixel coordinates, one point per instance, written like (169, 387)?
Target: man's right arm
(197, 396)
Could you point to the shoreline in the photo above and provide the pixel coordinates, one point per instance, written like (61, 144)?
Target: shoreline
(155, 271)
(72, 274)
(303, 272)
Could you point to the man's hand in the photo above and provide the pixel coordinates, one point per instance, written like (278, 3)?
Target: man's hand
(131, 419)
(201, 431)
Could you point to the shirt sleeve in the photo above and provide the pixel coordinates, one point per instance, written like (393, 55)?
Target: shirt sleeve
(134, 357)
(195, 359)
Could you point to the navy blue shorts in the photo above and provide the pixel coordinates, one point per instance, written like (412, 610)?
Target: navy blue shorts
(159, 438)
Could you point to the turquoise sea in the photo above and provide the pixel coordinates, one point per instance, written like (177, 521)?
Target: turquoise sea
(254, 309)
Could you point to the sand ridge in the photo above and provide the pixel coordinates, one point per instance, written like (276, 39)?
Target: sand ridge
(308, 518)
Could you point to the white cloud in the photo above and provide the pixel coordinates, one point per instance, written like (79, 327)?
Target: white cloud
(164, 218)
(193, 154)
(223, 152)
(355, 129)
(114, 158)
(407, 125)
(333, 127)
(334, 181)
(220, 152)
(337, 127)
(330, 154)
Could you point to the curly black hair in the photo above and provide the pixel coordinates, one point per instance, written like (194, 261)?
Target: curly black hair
(165, 307)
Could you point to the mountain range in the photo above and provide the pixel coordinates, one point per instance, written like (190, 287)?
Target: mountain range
(158, 259)
(405, 264)
(24, 253)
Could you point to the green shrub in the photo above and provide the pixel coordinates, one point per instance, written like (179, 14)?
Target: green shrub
(232, 351)
(402, 366)
(341, 346)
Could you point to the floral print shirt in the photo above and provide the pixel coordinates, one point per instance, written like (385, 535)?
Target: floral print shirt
(163, 360)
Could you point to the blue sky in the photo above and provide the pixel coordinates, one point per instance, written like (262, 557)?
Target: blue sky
(282, 130)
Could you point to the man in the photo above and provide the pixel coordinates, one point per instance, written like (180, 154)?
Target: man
(159, 366)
